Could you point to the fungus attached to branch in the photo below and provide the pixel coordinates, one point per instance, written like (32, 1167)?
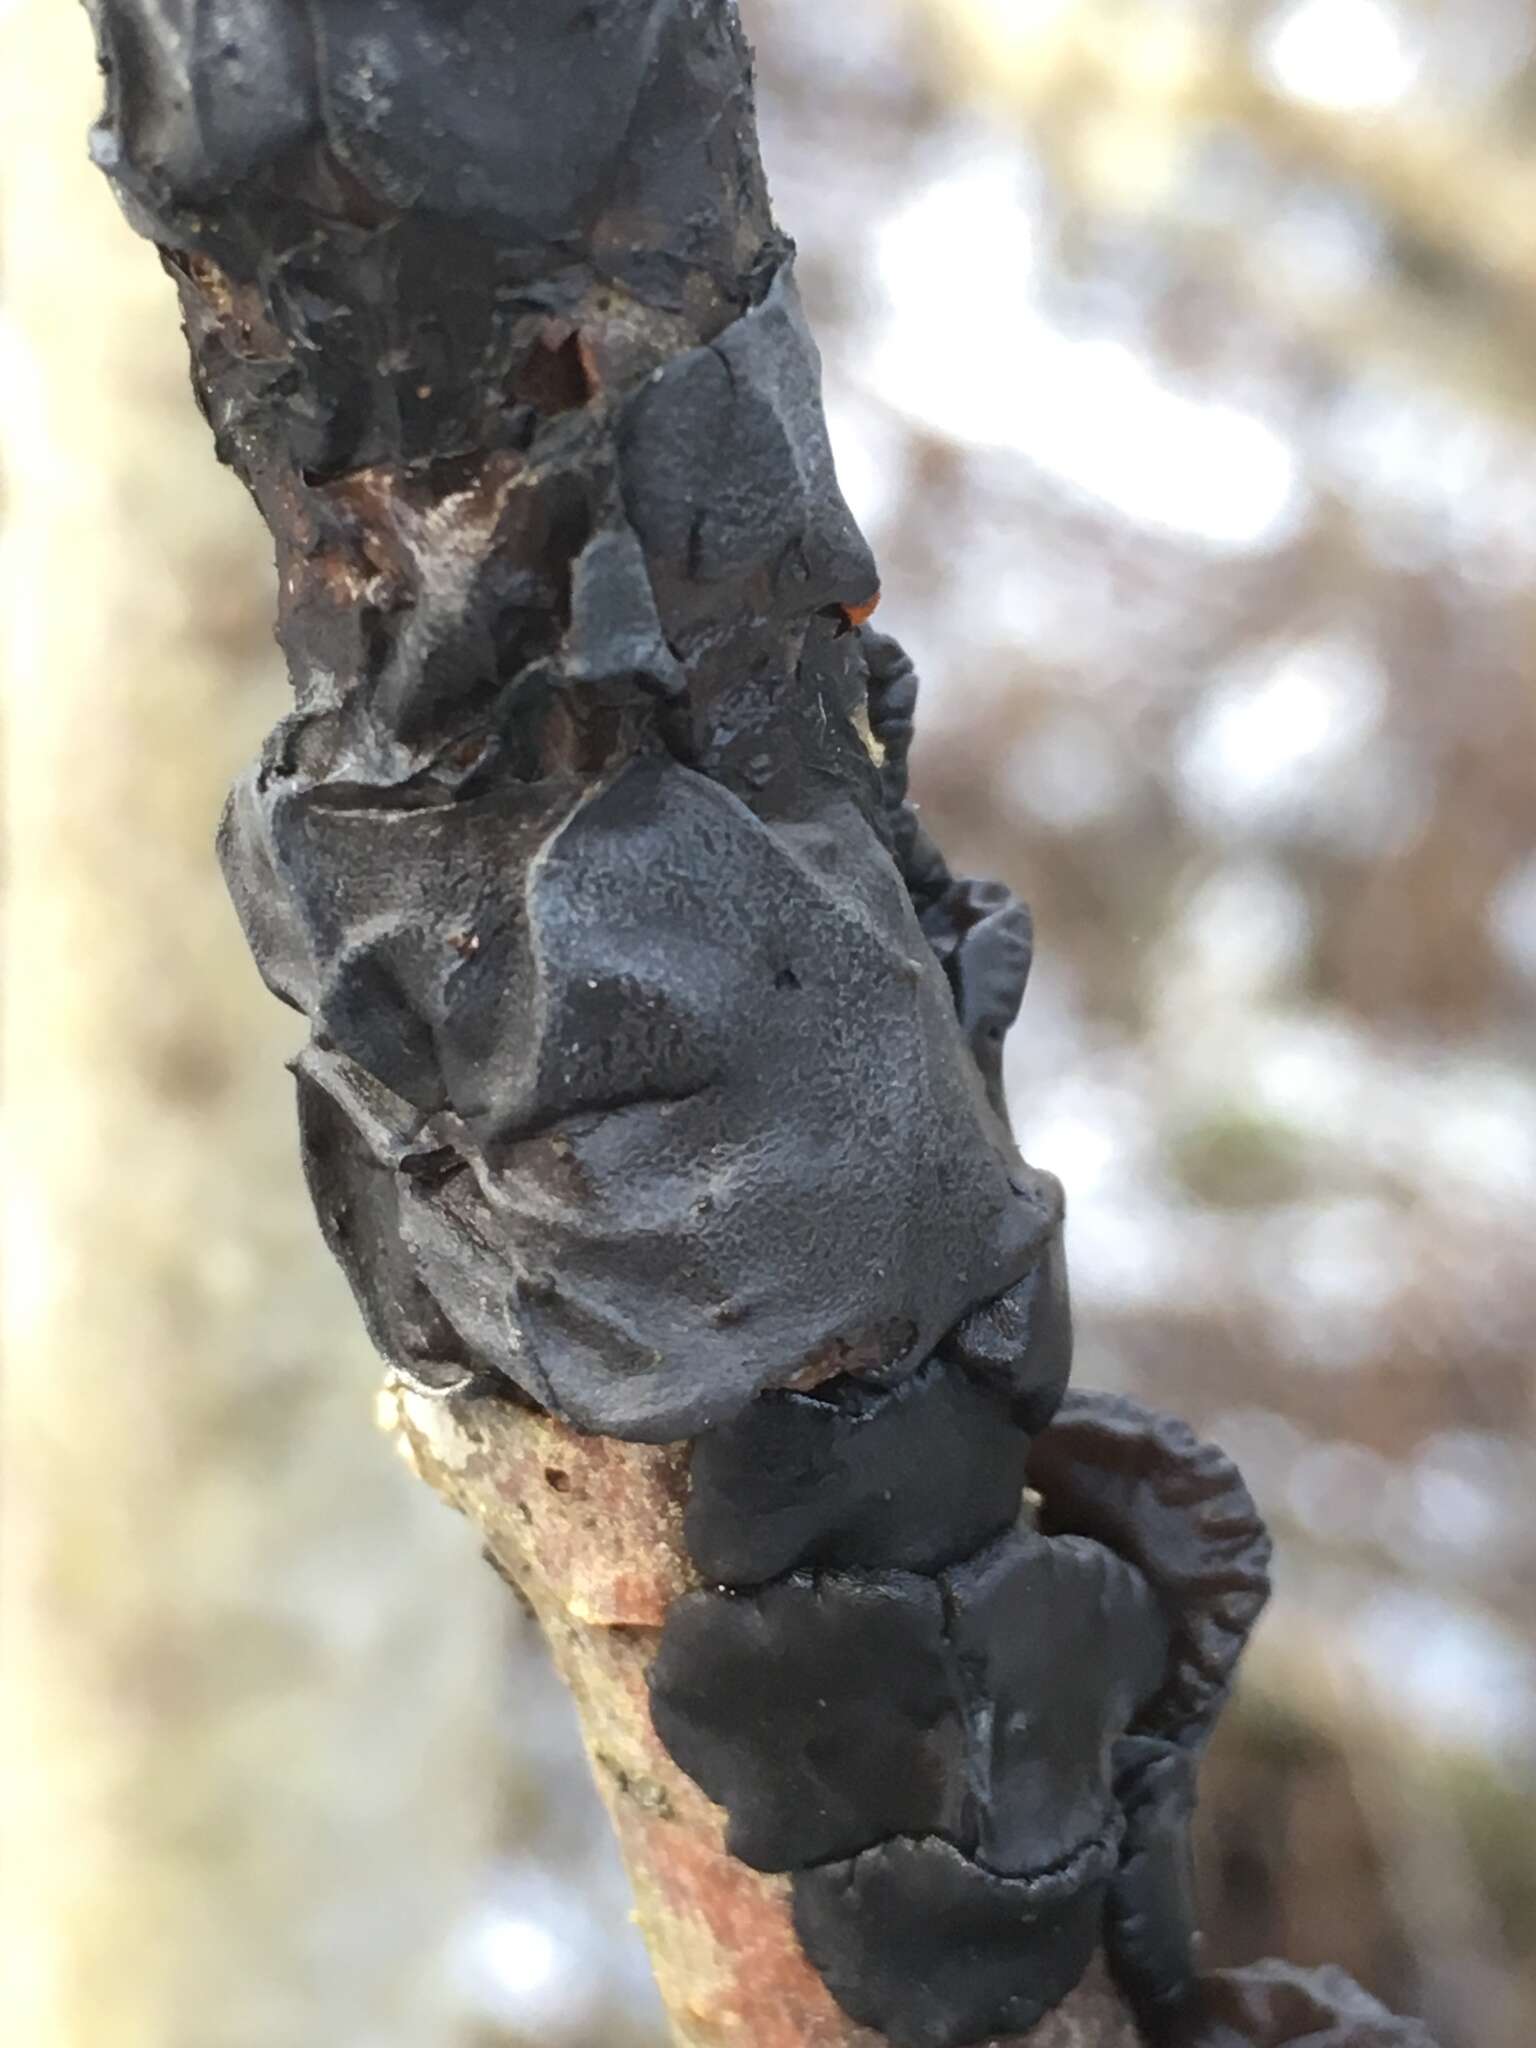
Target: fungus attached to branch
(1021, 1341)
(1149, 1488)
(907, 1478)
(654, 1078)
(919, 1942)
(832, 1710)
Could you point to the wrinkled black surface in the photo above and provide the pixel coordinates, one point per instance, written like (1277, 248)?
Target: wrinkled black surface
(918, 1942)
(988, 947)
(202, 94)
(1058, 1642)
(980, 930)
(831, 1710)
(1150, 1915)
(727, 470)
(615, 634)
(408, 109)
(548, 138)
(1021, 1341)
(911, 1477)
(609, 1069)
(821, 1712)
(571, 852)
(357, 1162)
(1147, 1486)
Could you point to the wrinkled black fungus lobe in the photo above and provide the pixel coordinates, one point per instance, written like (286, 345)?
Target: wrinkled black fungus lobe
(609, 1057)
(1058, 1642)
(1150, 1917)
(909, 1478)
(1021, 1340)
(919, 1942)
(1149, 1488)
(727, 469)
(820, 1712)
(831, 1710)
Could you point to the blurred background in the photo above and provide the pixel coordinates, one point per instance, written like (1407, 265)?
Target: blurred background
(1181, 364)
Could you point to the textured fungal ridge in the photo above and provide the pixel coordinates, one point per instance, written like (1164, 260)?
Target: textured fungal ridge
(576, 849)
(654, 1060)
(965, 1713)
(964, 1717)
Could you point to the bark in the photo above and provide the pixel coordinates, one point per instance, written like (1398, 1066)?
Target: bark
(249, 1667)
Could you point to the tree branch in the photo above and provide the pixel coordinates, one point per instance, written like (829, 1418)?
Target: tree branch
(652, 1101)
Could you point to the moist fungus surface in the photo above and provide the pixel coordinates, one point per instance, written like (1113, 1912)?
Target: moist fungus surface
(654, 1072)
(907, 1477)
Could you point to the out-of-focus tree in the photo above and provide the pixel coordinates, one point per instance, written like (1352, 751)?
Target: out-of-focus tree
(249, 1665)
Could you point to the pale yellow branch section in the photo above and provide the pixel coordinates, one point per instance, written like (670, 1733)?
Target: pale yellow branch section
(589, 1531)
